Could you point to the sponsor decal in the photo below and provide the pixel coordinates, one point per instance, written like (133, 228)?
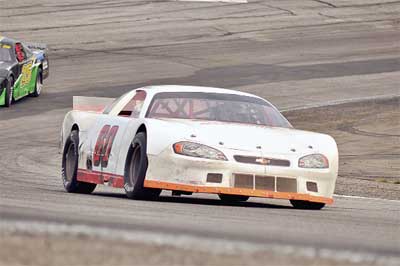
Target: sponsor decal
(26, 73)
(102, 149)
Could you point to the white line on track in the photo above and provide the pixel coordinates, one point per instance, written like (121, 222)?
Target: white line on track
(197, 243)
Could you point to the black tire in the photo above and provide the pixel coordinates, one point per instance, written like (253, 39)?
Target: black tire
(70, 167)
(232, 198)
(9, 92)
(38, 84)
(307, 205)
(135, 170)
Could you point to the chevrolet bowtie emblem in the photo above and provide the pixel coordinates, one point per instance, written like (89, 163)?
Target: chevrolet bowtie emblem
(263, 161)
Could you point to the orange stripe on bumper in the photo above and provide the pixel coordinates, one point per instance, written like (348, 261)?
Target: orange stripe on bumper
(236, 191)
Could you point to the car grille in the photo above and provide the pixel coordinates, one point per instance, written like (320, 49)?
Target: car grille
(272, 183)
(244, 181)
(265, 182)
(261, 160)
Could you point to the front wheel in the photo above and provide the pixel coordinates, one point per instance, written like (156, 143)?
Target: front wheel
(232, 198)
(9, 92)
(307, 205)
(70, 167)
(39, 84)
(135, 170)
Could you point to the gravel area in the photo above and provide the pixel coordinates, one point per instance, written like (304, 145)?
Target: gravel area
(44, 250)
(368, 138)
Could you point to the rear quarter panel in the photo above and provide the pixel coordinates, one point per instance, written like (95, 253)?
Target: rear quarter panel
(84, 121)
(42, 59)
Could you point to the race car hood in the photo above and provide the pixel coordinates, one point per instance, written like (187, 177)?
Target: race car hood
(247, 137)
(4, 68)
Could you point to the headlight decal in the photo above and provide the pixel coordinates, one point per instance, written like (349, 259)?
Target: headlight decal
(198, 150)
(316, 160)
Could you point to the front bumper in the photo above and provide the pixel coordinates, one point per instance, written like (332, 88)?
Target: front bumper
(171, 171)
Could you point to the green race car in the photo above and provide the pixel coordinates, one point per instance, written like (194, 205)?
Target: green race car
(23, 67)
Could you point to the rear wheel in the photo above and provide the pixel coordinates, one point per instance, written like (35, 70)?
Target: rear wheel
(70, 167)
(135, 170)
(9, 92)
(307, 205)
(232, 198)
(39, 84)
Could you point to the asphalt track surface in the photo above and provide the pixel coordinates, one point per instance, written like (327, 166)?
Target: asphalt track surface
(295, 53)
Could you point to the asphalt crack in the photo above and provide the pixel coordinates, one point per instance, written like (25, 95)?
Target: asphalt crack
(280, 8)
(327, 16)
(326, 3)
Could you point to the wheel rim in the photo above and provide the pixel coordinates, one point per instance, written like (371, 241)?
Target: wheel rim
(134, 165)
(38, 85)
(70, 163)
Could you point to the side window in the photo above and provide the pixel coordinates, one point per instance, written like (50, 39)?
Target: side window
(134, 106)
(111, 106)
(19, 51)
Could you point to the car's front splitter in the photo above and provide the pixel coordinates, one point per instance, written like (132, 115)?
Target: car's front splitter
(236, 191)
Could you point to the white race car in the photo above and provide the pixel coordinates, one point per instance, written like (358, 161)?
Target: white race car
(195, 139)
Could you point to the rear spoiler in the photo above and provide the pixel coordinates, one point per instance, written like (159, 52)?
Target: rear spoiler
(37, 46)
(91, 104)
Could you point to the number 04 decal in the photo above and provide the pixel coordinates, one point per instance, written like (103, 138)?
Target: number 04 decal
(104, 144)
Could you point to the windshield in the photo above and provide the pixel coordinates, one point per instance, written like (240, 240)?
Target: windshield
(5, 53)
(215, 107)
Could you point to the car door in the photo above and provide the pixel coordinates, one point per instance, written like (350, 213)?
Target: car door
(24, 81)
(32, 70)
(106, 137)
(109, 134)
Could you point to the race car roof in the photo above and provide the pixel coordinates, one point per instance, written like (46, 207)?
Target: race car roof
(182, 88)
(5, 40)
